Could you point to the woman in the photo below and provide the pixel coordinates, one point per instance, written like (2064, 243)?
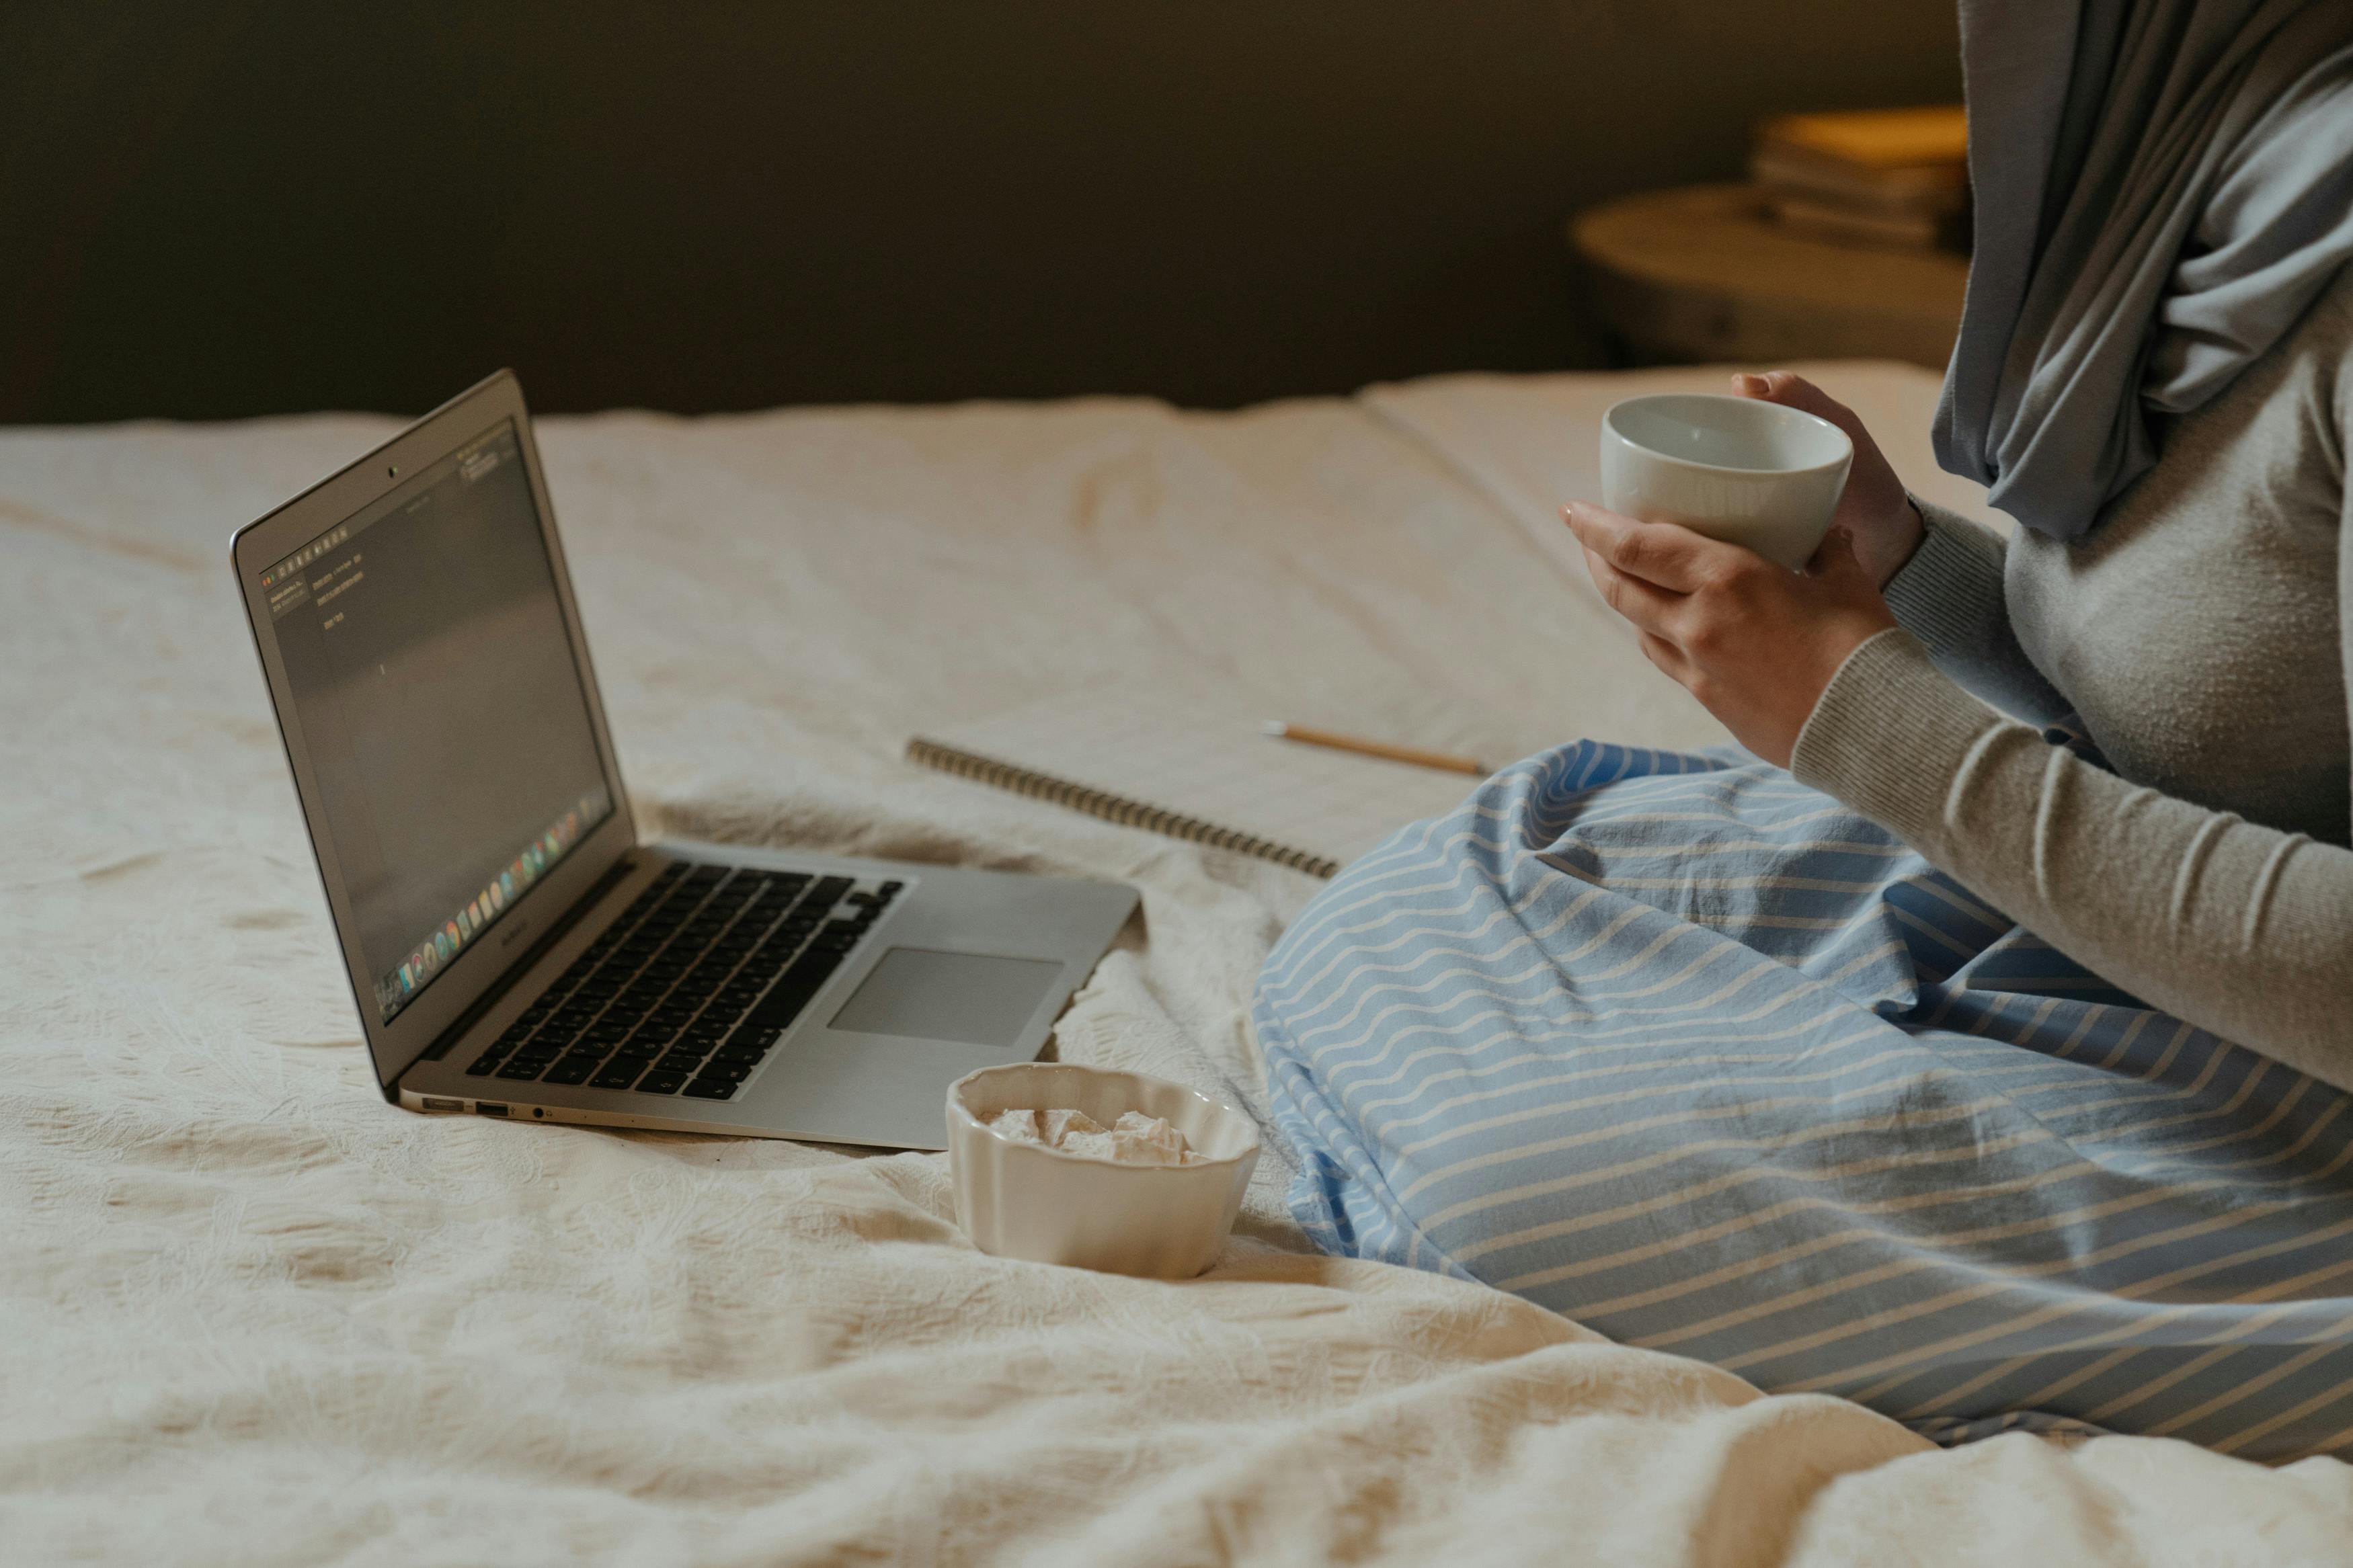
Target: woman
(1737, 1058)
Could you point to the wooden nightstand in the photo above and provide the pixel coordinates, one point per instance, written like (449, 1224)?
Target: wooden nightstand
(1701, 273)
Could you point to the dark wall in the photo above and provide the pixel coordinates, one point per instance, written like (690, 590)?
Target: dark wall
(248, 206)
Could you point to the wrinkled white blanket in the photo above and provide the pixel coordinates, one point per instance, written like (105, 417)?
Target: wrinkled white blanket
(251, 1314)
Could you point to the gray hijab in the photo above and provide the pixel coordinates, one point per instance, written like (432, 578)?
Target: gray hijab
(2163, 186)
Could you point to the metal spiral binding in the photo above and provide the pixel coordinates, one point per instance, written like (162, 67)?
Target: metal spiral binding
(1111, 807)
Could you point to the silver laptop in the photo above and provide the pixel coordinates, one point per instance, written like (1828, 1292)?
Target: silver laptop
(514, 949)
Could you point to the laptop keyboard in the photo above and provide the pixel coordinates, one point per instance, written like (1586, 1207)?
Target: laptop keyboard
(689, 990)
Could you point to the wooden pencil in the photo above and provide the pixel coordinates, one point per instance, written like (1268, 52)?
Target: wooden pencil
(1307, 735)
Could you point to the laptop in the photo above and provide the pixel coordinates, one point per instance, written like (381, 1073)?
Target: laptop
(514, 949)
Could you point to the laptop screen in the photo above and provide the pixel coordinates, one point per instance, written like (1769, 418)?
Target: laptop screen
(438, 695)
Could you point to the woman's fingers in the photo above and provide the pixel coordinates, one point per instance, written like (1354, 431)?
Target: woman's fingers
(1794, 391)
(1646, 607)
(1644, 604)
(1667, 657)
(1672, 558)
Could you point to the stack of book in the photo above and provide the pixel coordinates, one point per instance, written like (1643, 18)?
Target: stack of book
(1889, 176)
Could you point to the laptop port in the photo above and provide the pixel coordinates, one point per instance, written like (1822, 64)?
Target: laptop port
(443, 1106)
(489, 1108)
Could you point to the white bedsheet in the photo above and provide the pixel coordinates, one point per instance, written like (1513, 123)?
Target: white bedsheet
(251, 1314)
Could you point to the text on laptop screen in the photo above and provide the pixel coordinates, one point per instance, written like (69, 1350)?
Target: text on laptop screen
(441, 707)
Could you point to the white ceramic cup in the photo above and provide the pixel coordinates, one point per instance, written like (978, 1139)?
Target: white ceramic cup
(1026, 1200)
(1748, 473)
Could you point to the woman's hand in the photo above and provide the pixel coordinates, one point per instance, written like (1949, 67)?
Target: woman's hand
(1754, 642)
(1873, 509)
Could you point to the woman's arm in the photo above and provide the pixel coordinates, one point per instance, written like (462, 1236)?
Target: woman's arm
(2244, 930)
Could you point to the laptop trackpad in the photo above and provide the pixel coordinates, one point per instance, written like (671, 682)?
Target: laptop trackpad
(929, 996)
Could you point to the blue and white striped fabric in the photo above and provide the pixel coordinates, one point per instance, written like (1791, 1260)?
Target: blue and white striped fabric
(1693, 1055)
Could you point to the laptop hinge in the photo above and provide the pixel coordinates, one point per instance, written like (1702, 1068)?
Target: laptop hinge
(515, 972)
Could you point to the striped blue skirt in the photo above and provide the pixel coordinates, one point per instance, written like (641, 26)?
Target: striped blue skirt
(1688, 1052)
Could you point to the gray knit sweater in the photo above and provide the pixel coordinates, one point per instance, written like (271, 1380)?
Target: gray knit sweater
(2202, 633)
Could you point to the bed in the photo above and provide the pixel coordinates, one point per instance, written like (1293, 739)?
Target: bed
(254, 1315)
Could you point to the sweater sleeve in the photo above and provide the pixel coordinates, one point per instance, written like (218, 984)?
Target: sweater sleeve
(1950, 595)
(2242, 930)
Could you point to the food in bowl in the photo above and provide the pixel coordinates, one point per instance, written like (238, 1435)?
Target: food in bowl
(1134, 1139)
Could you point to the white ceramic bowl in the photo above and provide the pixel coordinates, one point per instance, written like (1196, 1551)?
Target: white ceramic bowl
(1026, 1200)
(1737, 468)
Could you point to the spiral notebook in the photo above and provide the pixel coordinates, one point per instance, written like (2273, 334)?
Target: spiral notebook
(1195, 771)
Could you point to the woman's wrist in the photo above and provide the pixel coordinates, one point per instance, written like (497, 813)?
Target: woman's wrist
(1907, 531)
